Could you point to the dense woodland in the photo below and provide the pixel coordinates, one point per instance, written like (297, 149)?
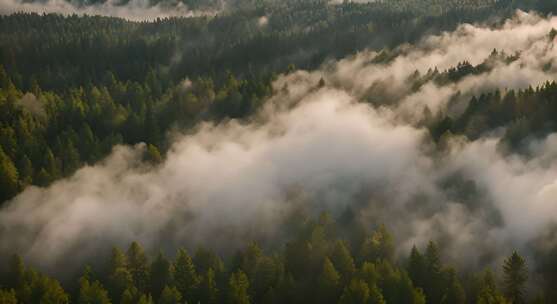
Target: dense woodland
(73, 87)
(325, 262)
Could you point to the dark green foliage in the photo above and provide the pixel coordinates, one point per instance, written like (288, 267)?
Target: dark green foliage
(328, 283)
(138, 267)
(92, 293)
(238, 286)
(252, 276)
(161, 275)
(516, 275)
(208, 292)
(8, 177)
(185, 277)
(82, 125)
(170, 295)
(488, 292)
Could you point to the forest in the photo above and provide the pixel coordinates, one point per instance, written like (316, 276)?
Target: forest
(265, 151)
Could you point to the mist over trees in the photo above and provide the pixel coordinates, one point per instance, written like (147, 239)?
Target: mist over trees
(318, 257)
(262, 151)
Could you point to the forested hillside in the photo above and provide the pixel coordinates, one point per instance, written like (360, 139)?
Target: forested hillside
(262, 151)
(93, 82)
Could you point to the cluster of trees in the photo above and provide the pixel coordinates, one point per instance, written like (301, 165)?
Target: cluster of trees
(526, 114)
(66, 51)
(46, 135)
(316, 266)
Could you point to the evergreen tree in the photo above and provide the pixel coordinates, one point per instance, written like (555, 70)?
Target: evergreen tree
(356, 292)
(375, 296)
(208, 292)
(92, 293)
(130, 296)
(52, 165)
(185, 276)
(205, 259)
(455, 293)
(138, 266)
(434, 283)
(70, 159)
(170, 295)
(152, 154)
(8, 177)
(161, 275)
(267, 275)
(26, 171)
(119, 278)
(238, 286)
(378, 246)
(417, 267)
(488, 292)
(343, 261)
(515, 277)
(145, 299)
(328, 283)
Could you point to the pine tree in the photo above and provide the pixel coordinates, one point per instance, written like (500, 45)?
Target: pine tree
(208, 292)
(130, 296)
(267, 274)
(488, 292)
(170, 295)
(375, 295)
(515, 277)
(205, 259)
(145, 299)
(369, 273)
(378, 246)
(52, 165)
(417, 267)
(152, 154)
(70, 159)
(356, 292)
(138, 266)
(185, 276)
(343, 261)
(328, 283)
(119, 278)
(91, 293)
(238, 286)
(26, 171)
(455, 293)
(161, 275)
(8, 177)
(433, 285)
